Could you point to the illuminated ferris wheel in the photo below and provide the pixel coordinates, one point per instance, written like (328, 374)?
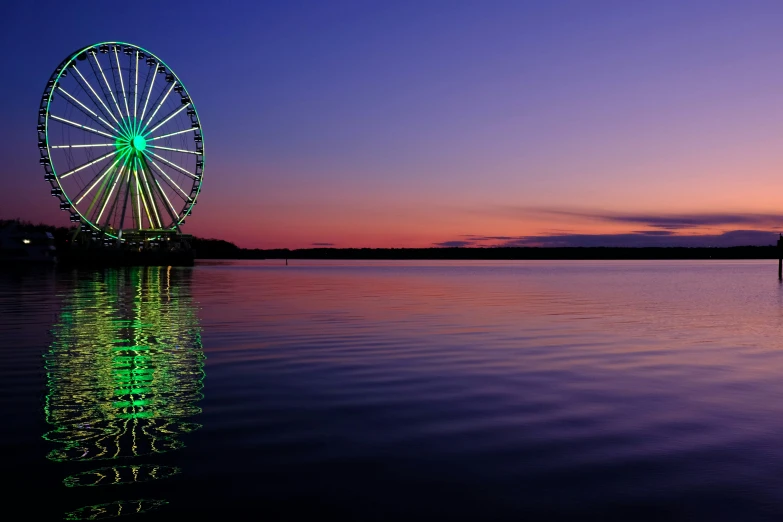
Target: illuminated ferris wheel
(120, 141)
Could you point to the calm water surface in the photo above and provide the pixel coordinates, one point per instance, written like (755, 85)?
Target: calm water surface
(395, 391)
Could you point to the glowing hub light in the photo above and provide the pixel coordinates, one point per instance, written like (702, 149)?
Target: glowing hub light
(132, 140)
(139, 143)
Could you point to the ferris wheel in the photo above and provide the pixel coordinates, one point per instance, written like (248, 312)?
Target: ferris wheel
(120, 141)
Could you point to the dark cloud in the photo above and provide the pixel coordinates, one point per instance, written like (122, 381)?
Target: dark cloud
(645, 239)
(642, 238)
(491, 238)
(667, 230)
(322, 244)
(654, 232)
(675, 221)
(452, 244)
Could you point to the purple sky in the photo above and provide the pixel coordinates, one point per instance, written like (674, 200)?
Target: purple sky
(421, 123)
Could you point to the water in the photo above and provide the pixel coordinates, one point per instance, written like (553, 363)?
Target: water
(395, 391)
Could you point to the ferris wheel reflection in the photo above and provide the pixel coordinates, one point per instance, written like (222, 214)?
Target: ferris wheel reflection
(125, 374)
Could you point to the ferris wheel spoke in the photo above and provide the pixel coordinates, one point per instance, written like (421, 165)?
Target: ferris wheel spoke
(93, 162)
(175, 150)
(114, 206)
(111, 217)
(154, 75)
(95, 94)
(136, 210)
(139, 208)
(170, 208)
(108, 87)
(150, 194)
(170, 115)
(89, 112)
(171, 163)
(108, 197)
(145, 199)
(83, 146)
(117, 90)
(173, 213)
(136, 88)
(100, 105)
(102, 190)
(139, 223)
(192, 129)
(169, 181)
(80, 126)
(132, 198)
(122, 82)
(140, 191)
(125, 206)
(92, 208)
(81, 195)
(160, 104)
(104, 103)
(104, 107)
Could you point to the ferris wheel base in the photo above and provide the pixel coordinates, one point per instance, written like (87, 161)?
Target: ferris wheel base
(165, 248)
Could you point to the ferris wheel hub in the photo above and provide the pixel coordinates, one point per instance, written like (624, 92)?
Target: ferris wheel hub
(139, 143)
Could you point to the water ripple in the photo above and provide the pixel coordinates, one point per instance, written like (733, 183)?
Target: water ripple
(390, 391)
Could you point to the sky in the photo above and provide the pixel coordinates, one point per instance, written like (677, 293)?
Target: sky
(444, 123)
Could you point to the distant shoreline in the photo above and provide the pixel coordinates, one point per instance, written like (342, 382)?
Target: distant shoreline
(221, 249)
(496, 253)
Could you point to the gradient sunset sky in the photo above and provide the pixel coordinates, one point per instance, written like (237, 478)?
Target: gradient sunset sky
(454, 123)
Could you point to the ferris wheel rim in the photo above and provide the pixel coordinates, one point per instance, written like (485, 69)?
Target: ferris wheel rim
(137, 136)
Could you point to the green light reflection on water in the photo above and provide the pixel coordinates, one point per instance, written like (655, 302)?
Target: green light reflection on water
(115, 509)
(119, 382)
(120, 475)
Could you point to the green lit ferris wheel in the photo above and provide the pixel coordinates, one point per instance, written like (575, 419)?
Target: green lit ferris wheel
(120, 141)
